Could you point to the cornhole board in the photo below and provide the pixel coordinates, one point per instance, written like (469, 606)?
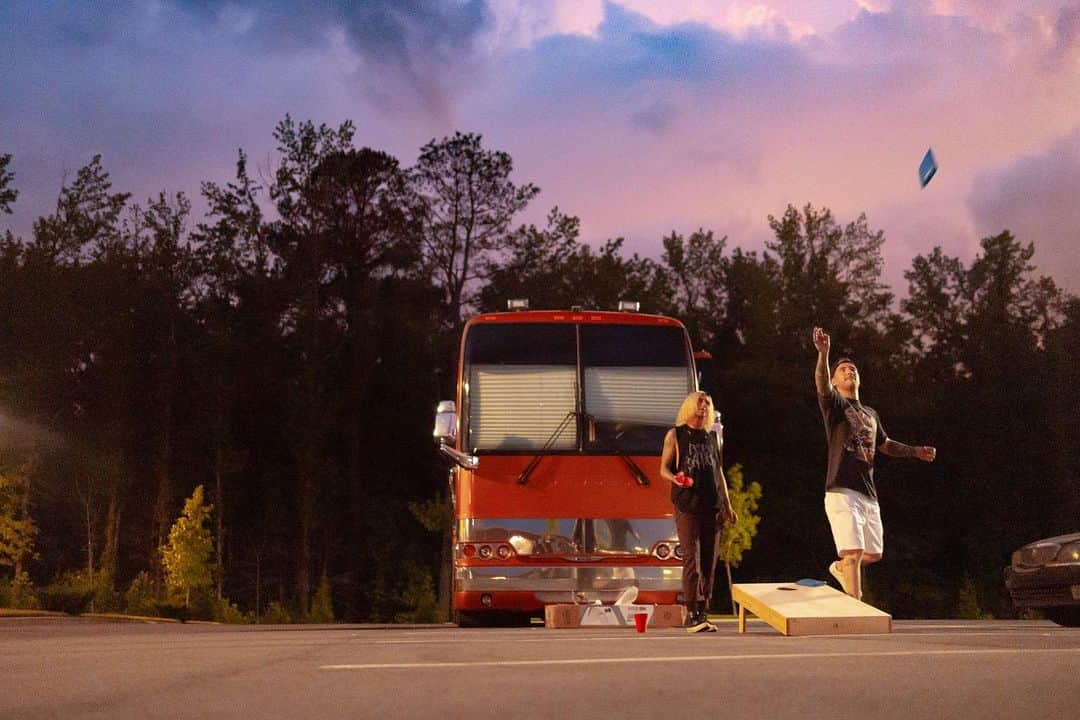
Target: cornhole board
(799, 610)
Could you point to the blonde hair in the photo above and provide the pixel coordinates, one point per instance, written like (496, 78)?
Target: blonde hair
(689, 408)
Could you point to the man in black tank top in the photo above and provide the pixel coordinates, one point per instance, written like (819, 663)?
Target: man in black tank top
(692, 462)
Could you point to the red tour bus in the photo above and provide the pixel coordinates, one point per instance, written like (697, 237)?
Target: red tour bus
(556, 438)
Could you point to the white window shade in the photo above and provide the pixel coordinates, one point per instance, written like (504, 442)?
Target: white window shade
(519, 407)
(647, 395)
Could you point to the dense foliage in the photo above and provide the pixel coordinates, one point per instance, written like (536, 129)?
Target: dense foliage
(287, 349)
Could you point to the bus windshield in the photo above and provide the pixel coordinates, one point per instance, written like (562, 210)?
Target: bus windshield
(595, 388)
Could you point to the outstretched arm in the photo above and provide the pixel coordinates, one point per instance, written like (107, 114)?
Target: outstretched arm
(666, 458)
(821, 371)
(926, 453)
(727, 512)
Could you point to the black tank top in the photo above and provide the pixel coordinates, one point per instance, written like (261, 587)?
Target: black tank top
(699, 458)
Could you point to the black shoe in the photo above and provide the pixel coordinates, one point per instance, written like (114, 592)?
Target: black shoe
(698, 622)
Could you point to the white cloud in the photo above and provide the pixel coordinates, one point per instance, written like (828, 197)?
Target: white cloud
(520, 24)
(1035, 197)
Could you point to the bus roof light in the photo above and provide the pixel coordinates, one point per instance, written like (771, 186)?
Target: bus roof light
(517, 304)
(629, 306)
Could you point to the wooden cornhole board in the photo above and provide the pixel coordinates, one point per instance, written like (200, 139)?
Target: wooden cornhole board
(799, 610)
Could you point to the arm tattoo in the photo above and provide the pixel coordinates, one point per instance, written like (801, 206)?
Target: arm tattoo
(897, 449)
(821, 375)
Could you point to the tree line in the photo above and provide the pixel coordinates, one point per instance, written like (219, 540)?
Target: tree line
(286, 350)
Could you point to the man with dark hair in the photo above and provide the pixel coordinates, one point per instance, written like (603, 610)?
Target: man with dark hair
(853, 433)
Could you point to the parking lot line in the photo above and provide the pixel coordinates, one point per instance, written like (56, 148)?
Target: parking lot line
(701, 658)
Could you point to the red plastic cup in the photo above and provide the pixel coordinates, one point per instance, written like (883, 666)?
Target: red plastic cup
(640, 621)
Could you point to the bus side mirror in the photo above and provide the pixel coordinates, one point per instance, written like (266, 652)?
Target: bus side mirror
(445, 432)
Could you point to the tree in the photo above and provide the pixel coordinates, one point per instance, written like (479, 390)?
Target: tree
(233, 270)
(17, 527)
(990, 394)
(1062, 348)
(186, 556)
(87, 214)
(535, 264)
(749, 319)
(737, 539)
(553, 269)
(469, 202)
(8, 195)
(696, 266)
(829, 275)
(156, 242)
(302, 239)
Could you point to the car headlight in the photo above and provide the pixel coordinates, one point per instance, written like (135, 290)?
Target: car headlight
(1069, 553)
(1035, 555)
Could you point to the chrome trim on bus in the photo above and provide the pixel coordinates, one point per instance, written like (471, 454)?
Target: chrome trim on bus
(571, 539)
(599, 581)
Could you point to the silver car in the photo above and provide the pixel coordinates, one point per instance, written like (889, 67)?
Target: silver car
(1045, 575)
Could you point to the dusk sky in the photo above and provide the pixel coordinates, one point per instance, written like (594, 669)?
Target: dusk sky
(640, 117)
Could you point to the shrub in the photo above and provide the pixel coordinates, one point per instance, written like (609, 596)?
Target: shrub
(419, 597)
(67, 598)
(139, 599)
(275, 614)
(105, 598)
(174, 611)
(21, 594)
(967, 602)
(225, 611)
(322, 605)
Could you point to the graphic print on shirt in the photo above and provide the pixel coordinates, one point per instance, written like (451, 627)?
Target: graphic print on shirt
(862, 431)
(698, 457)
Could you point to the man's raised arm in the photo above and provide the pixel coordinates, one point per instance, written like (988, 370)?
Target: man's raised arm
(821, 371)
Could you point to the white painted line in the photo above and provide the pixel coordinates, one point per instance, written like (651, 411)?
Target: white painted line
(698, 658)
(1028, 633)
(562, 639)
(680, 637)
(1029, 625)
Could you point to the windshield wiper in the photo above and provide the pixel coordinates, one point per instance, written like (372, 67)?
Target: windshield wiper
(641, 478)
(524, 476)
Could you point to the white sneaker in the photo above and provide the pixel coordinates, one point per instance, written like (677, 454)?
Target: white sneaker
(836, 572)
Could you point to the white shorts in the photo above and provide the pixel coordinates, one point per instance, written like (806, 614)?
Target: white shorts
(855, 520)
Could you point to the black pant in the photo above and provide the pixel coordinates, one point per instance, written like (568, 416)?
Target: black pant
(697, 536)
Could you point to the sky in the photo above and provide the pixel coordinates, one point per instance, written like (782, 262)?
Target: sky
(641, 117)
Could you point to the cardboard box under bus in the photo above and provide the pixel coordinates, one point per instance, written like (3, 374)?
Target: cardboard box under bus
(572, 616)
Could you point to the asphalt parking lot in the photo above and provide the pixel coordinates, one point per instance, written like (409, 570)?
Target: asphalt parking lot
(80, 668)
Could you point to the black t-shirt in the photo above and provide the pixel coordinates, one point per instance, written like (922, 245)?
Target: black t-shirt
(698, 457)
(853, 432)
